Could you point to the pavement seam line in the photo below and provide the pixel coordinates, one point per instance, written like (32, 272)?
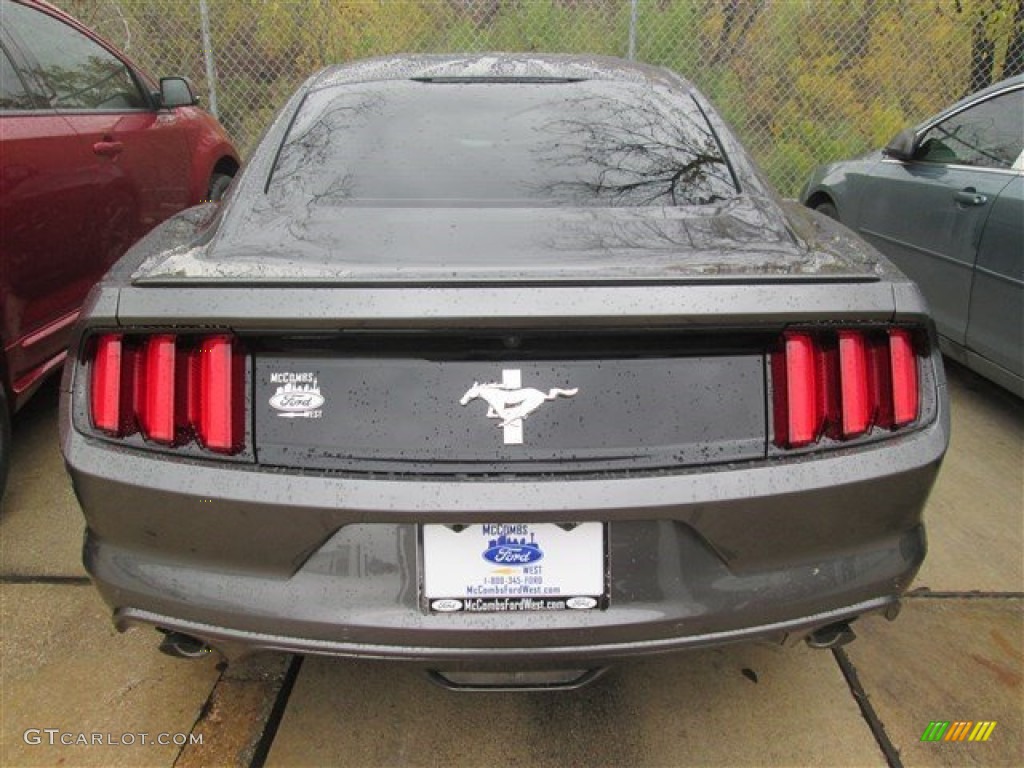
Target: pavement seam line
(266, 740)
(71, 581)
(973, 595)
(203, 712)
(892, 754)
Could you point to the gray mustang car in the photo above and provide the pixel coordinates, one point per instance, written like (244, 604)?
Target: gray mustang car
(511, 367)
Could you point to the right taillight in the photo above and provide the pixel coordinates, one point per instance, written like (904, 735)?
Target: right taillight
(906, 395)
(797, 375)
(173, 390)
(843, 384)
(857, 404)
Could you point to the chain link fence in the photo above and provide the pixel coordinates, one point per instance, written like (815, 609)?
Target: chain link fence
(802, 81)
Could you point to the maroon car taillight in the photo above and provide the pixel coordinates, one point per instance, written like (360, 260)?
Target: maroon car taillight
(173, 390)
(843, 384)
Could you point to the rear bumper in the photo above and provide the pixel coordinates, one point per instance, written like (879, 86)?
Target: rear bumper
(235, 644)
(250, 559)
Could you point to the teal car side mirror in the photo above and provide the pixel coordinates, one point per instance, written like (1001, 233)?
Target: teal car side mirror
(902, 146)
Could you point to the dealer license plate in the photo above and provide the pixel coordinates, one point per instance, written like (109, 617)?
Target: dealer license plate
(514, 567)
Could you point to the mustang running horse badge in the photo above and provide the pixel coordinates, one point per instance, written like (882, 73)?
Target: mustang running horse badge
(509, 402)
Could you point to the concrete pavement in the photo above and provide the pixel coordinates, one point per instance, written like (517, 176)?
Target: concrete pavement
(956, 653)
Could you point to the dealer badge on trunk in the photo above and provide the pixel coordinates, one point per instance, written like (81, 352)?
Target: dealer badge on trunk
(509, 402)
(298, 396)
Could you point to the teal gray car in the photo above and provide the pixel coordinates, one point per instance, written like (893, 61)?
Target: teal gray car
(945, 202)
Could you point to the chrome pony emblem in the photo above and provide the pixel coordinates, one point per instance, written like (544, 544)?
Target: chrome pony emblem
(510, 403)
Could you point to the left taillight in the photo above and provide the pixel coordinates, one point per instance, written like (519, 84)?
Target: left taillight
(173, 390)
(110, 386)
(218, 405)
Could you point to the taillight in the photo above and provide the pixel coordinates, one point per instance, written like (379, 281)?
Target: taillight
(856, 402)
(843, 384)
(155, 386)
(172, 389)
(906, 396)
(110, 390)
(796, 406)
(220, 397)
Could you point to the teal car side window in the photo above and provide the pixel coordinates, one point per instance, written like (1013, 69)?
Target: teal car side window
(987, 135)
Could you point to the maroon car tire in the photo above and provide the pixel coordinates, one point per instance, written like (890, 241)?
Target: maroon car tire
(219, 183)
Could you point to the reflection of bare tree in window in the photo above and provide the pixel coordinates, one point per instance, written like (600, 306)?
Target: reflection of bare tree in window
(312, 146)
(636, 151)
(739, 227)
(986, 135)
(100, 82)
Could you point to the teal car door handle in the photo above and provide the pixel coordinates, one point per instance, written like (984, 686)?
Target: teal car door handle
(969, 196)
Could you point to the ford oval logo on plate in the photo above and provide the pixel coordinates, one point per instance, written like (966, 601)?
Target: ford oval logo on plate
(513, 554)
(581, 603)
(512, 550)
(446, 606)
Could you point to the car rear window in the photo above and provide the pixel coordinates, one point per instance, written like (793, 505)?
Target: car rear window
(571, 143)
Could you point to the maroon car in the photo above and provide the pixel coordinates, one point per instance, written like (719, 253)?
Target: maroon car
(93, 154)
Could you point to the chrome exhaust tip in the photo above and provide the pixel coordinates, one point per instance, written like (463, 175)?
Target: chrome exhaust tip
(182, 646)
(831, 636)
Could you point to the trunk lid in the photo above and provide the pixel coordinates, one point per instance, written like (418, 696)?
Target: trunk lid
(742, 239)
(516, 402)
